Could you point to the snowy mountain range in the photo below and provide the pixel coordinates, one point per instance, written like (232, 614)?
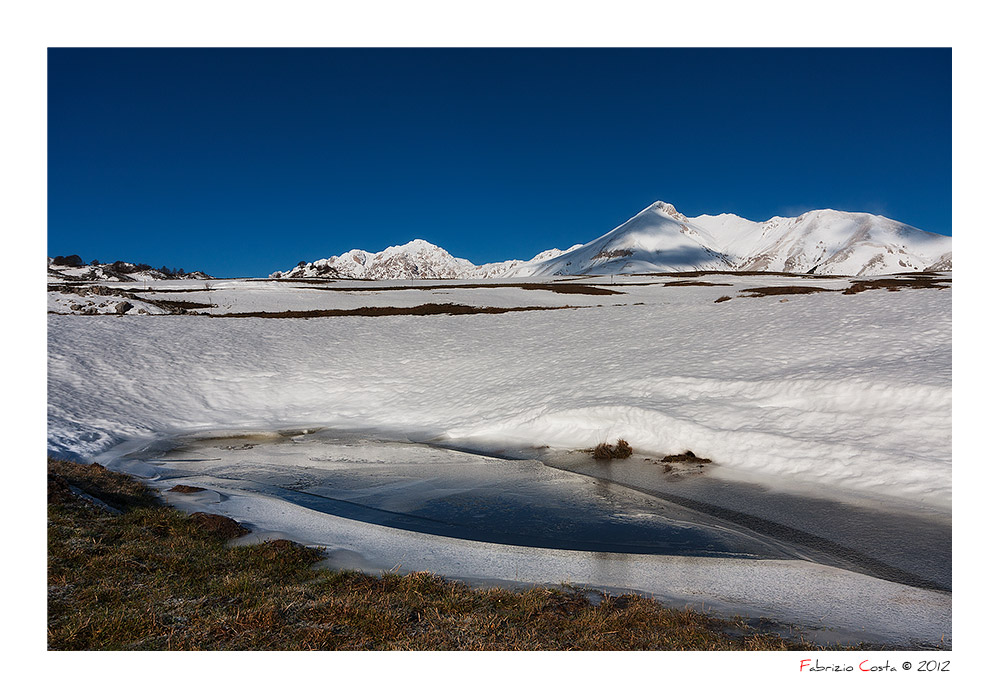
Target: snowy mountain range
(661, 239)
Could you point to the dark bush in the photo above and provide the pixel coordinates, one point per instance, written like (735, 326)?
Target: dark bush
(687, 457)
(620, 451)
(68, 261)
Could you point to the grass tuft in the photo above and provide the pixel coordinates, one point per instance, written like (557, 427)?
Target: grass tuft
(621, 450)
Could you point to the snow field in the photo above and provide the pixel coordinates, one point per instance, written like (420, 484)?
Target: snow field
(824, 390)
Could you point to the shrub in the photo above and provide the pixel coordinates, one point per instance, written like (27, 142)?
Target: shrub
(620, 451)
(68, 261)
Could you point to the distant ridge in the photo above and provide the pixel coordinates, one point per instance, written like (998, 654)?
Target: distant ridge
(72, 268)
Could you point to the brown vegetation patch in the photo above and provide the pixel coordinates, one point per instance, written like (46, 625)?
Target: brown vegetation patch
(685, 283)
(219, 525)
(180, 306)
(560, 288)
(621, 450)
(425, 309)
(759, 291)
(915, 280)
(186, 489)
(115, 489)
(687, 457)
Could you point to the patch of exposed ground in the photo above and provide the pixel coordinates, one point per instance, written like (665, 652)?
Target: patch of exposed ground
(757, 292)
(186, 489)
(556, 287)
(915, 280)
(426, 309)
(561, 288)
(684, 283)
(739, 273)
(179, 306)
(687, 457)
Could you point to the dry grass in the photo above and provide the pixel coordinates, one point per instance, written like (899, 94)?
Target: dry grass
(759, 291)
(153, 579)
(687, 283)
(186, 489)
(687, 457)
(564, 288)
(179, 306)
(913, 281)
(425, 309)
(621, 450)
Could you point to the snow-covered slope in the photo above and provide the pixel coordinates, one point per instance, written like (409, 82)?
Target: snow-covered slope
(661, 239)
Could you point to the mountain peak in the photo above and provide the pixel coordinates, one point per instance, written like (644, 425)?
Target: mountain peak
(667, 209)
(413, 245)
(663, 206)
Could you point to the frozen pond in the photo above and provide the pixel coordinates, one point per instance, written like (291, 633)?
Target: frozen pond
(378, 504)
(434, 490)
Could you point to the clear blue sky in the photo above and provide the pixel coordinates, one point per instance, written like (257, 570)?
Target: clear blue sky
(240, 162)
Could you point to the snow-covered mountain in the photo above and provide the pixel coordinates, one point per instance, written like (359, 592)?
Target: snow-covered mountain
(418, 259)
(661, 239)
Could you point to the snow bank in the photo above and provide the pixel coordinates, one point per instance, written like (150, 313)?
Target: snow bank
(833, 391)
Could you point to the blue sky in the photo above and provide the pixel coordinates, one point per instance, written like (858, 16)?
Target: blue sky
(240, 162)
